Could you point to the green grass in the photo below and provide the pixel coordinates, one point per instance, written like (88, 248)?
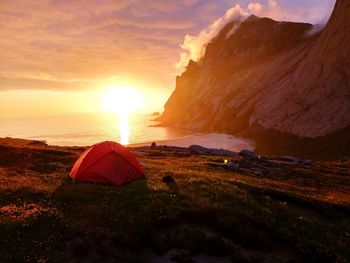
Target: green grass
(45, 217)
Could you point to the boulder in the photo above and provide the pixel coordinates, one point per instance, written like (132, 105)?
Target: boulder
(198, 149)
(248, 154)
(222, 152)
(290, 159)
(232, 166)
(37, 143)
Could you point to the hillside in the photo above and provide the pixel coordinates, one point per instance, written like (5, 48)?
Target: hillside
(271, 79)
(252, 210)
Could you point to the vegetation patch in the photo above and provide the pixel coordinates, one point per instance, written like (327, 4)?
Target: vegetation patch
(204, 213)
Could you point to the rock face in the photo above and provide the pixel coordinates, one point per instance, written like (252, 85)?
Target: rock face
(269, 74)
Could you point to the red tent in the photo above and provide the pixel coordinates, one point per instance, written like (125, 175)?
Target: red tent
(107, 163)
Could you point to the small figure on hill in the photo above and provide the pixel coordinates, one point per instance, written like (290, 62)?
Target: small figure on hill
(153, 145)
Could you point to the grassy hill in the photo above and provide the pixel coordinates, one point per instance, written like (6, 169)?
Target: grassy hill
(288, 212)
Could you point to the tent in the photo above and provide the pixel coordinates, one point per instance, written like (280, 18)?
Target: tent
(107, 163)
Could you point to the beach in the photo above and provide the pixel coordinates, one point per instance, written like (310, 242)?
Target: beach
(210, 140)
(86, 130)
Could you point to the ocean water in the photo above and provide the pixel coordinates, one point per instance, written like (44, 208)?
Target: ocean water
(85, 130)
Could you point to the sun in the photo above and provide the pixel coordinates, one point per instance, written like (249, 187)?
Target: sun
(122, 99)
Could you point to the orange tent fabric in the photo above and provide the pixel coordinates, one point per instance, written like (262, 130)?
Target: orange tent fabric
(107, 163)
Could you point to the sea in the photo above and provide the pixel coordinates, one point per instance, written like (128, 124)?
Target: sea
(132, 130)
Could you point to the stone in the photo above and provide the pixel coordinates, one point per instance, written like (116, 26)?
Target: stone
(290, 159)
(232, 166)
(309, 162)
(248, 153)
(222, 152)
(37, 143)
(198, 149)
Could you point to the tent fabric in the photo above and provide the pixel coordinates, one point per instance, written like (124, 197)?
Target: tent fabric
(107, 163)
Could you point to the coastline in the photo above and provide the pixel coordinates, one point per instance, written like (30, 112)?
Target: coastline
(208, 140)
(331, 147)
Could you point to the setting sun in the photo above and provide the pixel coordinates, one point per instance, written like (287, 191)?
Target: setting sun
(175, 131)
(122, 100)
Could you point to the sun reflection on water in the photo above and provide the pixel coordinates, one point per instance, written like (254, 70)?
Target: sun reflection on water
(122, 100)
(124, 128)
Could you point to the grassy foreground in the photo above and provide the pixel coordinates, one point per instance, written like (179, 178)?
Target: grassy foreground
(294, 213)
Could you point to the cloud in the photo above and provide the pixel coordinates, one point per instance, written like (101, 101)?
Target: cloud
(255, 7)
(194, 46)
(35, 84)
(272, 3)
(57, 41)
(312, 11)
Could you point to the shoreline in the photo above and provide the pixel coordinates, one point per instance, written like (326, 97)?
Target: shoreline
(209, 140)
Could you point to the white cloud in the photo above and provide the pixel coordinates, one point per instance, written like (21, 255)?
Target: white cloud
(194, 46)
(255, 7)
(273, 3)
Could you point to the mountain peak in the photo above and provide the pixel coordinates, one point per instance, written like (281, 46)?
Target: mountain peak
(272, 75)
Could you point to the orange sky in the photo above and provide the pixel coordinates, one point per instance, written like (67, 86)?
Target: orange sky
(60, 52)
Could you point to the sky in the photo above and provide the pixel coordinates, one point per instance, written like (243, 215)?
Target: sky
(66, 52)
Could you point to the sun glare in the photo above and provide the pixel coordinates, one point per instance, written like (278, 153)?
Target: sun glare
(124, 128)
(122, 100)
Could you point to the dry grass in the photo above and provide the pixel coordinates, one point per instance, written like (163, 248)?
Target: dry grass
(45, 217)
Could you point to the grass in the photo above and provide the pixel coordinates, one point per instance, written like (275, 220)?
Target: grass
(300, 213)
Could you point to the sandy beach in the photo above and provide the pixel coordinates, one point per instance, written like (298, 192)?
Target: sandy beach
(211, 140)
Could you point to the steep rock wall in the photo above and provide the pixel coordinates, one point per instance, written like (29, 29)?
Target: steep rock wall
(269, 74)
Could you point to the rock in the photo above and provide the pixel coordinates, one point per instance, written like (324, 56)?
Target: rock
(290, 159)
(247, 153)
(222, 152)
(168, 179)
(286, 80)
(232, 166)
(309, 162)
(198, 149)
(37, 143)
(181, 255)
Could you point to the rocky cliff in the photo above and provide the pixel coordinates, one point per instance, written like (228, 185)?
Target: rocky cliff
(272, 75)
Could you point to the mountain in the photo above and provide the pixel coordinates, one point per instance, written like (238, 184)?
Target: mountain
(273, 82)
